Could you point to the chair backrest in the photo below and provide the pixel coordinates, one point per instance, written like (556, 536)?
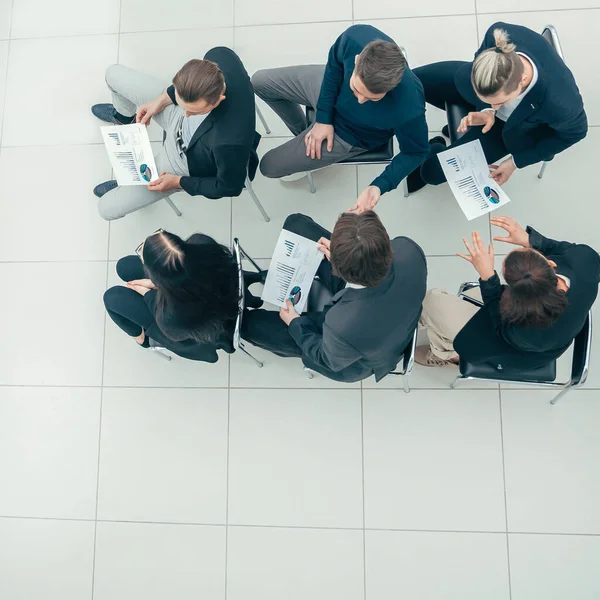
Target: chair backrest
(582, 350)
(551, 36)
(238, 323)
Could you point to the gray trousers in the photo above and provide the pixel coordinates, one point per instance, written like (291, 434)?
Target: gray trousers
(286, 90)
(130, 89)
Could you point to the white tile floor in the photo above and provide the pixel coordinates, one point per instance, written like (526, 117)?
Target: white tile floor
(124, 477)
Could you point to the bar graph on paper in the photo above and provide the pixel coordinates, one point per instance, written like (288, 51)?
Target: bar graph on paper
(130, 153)
(294, 264)
(468, 175)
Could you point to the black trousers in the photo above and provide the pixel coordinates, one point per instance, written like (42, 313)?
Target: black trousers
(264, 328)
(439, 86)
(128, 309)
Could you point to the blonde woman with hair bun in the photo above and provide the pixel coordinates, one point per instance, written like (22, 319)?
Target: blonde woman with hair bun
(521, 100)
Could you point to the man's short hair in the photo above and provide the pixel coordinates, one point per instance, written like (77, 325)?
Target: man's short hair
(380, 66)
(361, 251)
(199, 80)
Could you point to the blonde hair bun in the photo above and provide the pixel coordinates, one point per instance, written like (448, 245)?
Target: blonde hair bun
(503, 42)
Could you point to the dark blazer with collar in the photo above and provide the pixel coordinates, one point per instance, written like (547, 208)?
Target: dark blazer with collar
(224, 145)
(551, 117)
(366, 331)
(486, 339)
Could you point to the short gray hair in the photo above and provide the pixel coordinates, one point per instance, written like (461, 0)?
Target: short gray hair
(380, 66)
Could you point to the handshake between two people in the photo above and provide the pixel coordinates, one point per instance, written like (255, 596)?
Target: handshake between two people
(314, 140)
(483, 259)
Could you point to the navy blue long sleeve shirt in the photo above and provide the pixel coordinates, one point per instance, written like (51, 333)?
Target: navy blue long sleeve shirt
(401, 112)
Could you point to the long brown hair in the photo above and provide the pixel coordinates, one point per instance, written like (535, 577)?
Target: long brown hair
(531, 298)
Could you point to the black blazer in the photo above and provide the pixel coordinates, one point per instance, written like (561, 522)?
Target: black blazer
(486, 338)
(366, 331)
(191, 348)
(550, 117)
(225, 144)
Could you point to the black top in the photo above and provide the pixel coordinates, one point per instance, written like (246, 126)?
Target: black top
(191, 348)
(401, 112)
(225, 143)
(366, 331)
(550, 118)
(578, 262)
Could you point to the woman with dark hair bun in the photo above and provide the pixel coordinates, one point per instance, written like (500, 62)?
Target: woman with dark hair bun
(550, 288)
(181, 294)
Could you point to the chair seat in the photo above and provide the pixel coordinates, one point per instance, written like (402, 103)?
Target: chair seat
(384, 153)
(318, 297)
(455, 114)
(542, 374)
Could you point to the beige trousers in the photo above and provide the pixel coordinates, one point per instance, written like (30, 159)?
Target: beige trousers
(444, 315)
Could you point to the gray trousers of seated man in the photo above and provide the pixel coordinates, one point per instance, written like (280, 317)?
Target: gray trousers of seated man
(130, 89)
(287, 90)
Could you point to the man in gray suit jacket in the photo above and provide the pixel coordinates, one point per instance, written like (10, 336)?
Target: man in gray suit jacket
(377, 288)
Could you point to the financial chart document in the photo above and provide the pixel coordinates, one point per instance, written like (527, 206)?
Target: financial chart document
(293, 267)
(130, 153)
(468, 176)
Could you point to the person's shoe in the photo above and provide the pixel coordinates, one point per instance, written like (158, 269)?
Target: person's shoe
(446, 131)
(438, 139)
(102, 188)
(294, 176)
(108, 114)
(425, 357)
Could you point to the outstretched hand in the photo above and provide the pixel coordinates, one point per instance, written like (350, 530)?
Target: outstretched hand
(367, 200)
(516, 234)
(479, 257)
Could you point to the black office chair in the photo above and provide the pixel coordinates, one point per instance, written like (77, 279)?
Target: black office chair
(320, 296)
(543, 376)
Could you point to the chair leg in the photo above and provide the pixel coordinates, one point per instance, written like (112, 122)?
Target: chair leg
(262, 120)
(455, 382)
(405, 187)
(311, 183)
(172, 205)
(161, 354)
(254, 197)
(542, 170)
(257, 362)
(249, 258)
(310, 373)
(405, 384)
(560, 395)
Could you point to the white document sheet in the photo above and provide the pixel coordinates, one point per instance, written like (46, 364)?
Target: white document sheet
(292, 270)
(130, 153)
(468, 175)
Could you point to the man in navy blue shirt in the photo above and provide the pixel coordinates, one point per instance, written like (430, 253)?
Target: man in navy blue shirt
(365, 95)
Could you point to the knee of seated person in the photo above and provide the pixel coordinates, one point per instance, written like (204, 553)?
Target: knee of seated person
(432, 174)
(113, 296)
(111, 73)
(125, 265)
(292, 222)
(268, 167)
(259, 80)
(107, 211)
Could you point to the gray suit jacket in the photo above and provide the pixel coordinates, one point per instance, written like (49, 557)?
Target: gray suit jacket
(366, 331)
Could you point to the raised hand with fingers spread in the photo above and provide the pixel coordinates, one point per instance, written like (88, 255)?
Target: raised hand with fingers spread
(479, 257)
(516, 234)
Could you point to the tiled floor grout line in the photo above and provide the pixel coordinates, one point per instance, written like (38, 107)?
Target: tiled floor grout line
(102, 373)
(310, 528)
(3, 106)
(364, 533)
(352, 18)
(505, 494)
